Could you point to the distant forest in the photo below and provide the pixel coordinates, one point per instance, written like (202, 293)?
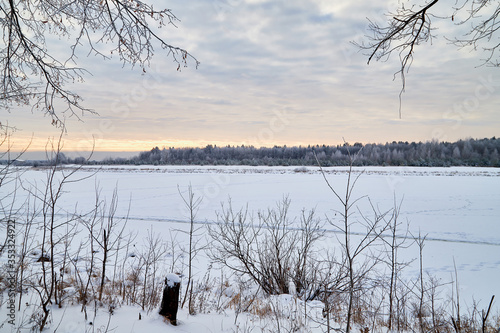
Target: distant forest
(469, 152)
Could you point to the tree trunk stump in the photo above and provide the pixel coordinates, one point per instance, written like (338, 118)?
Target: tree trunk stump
(170, 300)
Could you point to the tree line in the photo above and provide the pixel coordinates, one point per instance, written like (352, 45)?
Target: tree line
(468, 152)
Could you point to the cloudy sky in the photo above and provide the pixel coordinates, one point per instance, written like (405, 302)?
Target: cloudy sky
(273, 73)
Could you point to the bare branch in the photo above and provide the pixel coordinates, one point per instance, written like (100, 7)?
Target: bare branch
(406, 29)
(33, 74)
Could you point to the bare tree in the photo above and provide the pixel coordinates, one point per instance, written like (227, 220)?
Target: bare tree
(192, 204)
(9, 202)
(85, 287)
(484, 315)
(356, 252)
(411, 25)
(456, 303)
(394, 243)
(32, 73)
(106, 231)
(152, 259)
(421, 313)
(51, 237)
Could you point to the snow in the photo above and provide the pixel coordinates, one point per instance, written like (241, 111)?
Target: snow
(458, 209)
(171, 279)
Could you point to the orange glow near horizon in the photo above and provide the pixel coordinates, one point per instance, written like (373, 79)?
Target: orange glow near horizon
(33, 145)
(36, 145)
(101, 145)
(18, 143)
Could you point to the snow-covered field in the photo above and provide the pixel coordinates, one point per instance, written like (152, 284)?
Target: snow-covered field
(457, 208)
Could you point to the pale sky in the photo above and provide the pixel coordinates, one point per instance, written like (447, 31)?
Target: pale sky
(276, 73)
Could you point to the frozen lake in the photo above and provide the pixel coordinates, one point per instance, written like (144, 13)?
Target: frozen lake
(457, 208)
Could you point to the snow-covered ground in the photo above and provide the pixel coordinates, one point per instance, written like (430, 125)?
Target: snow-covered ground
(457, 208)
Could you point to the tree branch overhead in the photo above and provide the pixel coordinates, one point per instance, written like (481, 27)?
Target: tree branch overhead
(411, 25)
(32, 74)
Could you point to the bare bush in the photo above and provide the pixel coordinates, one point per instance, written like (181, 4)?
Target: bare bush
(272, 249)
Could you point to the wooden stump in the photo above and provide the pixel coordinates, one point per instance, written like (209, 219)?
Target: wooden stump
(170, 300)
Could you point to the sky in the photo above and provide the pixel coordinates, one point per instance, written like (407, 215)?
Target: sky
(280, 72)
